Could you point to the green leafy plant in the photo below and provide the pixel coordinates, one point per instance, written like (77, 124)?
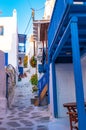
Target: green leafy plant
(33, 61)
(34, 79)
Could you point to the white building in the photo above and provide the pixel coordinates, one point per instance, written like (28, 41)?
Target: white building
(9, 38)
(49, 5)
(31, 53)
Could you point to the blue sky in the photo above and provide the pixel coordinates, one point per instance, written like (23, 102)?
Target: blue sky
(23, 8)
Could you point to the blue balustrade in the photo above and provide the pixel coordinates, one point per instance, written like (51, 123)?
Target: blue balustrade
(42, 82)
(59, 11)
(59, 28)
(57, 15)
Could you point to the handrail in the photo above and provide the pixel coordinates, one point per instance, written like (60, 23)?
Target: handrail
(42, 82)
(57, 17)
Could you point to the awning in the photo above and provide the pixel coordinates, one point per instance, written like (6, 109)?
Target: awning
(43, 29)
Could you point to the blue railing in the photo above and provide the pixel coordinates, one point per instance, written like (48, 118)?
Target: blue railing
(42, 68)
(57, 15)
(42, 82)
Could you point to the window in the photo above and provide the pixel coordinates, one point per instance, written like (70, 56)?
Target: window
(21, 47)
(1, 30)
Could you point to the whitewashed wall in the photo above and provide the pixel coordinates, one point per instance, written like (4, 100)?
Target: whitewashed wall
(49, 5)
(30, 54)
(39, 60)
(9, 41)
(66, 85)
(83, 63)
(51, 93)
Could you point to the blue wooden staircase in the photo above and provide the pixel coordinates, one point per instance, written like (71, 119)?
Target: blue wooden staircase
(43, 87)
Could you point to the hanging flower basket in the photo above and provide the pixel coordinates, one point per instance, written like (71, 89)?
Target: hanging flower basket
(33, 61)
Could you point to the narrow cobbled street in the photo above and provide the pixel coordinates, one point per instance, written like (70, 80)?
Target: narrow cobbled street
(23, 115)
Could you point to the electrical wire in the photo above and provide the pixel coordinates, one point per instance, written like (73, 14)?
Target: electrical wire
(33, 8)
(29, 3)
(29, 28)
(28, 24)
(40, 8)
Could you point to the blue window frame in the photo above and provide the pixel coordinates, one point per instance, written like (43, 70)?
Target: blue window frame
(6, 59)
(1, 30)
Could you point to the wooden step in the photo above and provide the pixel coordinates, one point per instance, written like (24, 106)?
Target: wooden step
(43, 93)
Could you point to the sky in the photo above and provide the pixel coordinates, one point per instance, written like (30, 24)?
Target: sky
(24, 10)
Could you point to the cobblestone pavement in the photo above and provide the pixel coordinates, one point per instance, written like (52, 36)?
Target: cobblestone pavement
(24, 116)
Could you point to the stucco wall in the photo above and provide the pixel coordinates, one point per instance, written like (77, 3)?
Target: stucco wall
(51, 93)
(9, 39)
(83, 63)
(66, 85)
(49, 5)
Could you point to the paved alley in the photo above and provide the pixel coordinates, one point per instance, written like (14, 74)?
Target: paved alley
(24, 116)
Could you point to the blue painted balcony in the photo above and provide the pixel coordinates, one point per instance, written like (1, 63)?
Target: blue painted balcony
(21, 48)
(59, 28)
(22, 43)
(67, 44)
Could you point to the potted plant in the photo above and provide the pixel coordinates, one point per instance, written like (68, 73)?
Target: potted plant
(34, 89)
(34, 82)
(33, 61)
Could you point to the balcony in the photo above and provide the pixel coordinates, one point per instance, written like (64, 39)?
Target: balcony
(21, 48)
(59, 30)
(57, 15)
(22, 43)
